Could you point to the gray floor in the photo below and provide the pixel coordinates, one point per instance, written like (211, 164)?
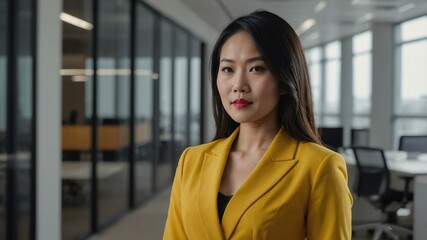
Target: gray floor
(145, 223)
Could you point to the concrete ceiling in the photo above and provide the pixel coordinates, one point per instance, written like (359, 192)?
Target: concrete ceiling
(337, 18)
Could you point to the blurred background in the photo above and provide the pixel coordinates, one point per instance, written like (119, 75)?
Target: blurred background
(99, 98)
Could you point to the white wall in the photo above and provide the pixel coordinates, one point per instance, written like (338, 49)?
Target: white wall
(48, 159)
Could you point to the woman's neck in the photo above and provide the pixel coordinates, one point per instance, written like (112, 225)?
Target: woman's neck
(253, 137)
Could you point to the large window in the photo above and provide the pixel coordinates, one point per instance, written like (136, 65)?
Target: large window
(314, 57)
(325, 79)
(411, 78)
(362, 79)
(332, 83)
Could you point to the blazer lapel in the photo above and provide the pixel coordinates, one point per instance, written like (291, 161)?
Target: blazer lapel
(213, 166)
(277, 161)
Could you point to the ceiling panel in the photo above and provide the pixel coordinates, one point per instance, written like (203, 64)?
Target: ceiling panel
(337, 19)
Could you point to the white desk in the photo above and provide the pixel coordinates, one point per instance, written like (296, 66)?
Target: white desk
(397, 163)
(82, 171)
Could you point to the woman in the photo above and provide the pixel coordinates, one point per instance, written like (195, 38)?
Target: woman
(266, 175)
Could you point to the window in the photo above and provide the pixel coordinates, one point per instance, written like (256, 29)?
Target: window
(332, 83)
(411, 78)
(314, 57)
(362, 79)
(324, 65)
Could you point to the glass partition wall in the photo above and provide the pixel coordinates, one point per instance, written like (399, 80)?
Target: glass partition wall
(113, 108)
(180, 93)
(17, 119)
(126, 111)
(77, 82)
(195, 93)
(164, 163)
(144, 102)
(3, 115)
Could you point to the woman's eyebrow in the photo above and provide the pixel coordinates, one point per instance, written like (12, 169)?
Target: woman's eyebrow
(252, 59)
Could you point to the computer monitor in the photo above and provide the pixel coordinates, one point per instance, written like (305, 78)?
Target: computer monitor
(332, 137)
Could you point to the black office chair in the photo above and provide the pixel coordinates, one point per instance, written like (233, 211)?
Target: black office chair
(332, 137)
(413, 144)
(360, 137)
(373, 184)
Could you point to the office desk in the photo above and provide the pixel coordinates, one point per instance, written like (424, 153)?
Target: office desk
(396, 162)
(110, 137)
(82, 170)
(76, 177)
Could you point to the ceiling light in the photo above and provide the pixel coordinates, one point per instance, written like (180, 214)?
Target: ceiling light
(75, 21)
(383, 3)
(320, 6)
(307, 24)
(406, 7)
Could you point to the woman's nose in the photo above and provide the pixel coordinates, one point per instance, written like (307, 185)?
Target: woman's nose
(240, 85)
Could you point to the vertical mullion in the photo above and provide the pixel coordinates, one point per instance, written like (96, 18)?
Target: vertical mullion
(132, 107)
(173, 145)
(189, 79)
(11, 206)
(156, 99)
(94, 152)
(202, 89)
(33, 191)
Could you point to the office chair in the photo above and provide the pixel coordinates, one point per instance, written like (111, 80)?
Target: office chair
(373, 184)
(360, 137)
(413, 144)
(332, 137)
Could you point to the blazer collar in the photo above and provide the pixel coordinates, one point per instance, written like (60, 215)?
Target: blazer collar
(273, 166)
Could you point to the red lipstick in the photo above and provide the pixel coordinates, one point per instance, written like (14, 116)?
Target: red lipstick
(241, 103)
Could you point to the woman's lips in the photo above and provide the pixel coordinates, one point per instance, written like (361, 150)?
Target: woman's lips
(241, 103)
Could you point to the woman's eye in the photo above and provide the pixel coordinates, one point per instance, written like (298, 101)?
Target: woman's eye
(257, 69)
(227, 69)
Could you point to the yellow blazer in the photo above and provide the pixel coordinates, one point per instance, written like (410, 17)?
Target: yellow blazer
(298, 190)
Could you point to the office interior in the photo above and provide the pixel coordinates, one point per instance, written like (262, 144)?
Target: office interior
(99, 98)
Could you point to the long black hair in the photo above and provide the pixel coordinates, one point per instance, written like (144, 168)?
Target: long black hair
(283, 54)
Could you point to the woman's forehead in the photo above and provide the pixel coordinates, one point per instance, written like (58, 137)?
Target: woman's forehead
(239, 46)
